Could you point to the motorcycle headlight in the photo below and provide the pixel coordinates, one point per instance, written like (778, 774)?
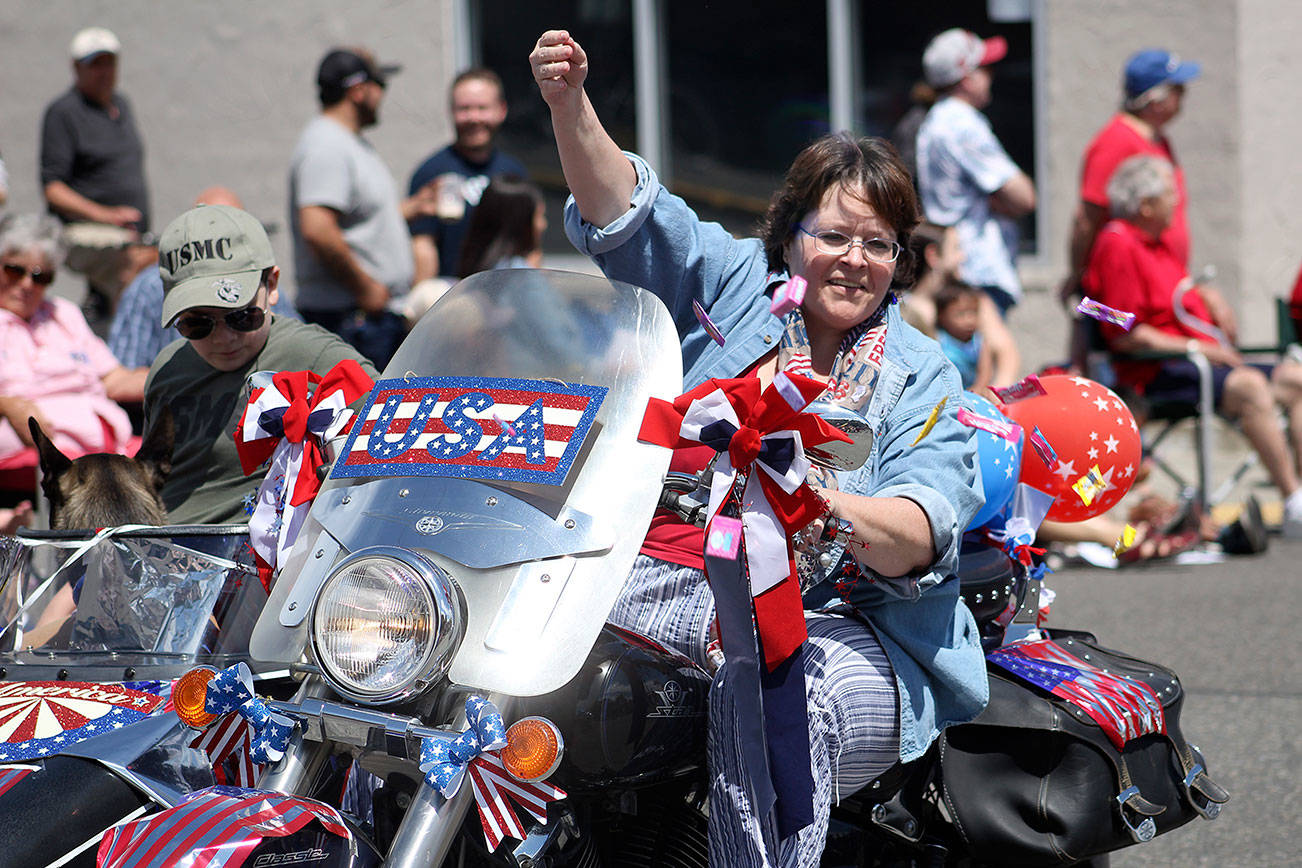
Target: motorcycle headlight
(385, 624)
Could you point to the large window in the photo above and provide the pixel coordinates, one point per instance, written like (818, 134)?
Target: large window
(744, 87)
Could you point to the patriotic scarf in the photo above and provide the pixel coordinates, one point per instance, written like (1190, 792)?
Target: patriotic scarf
(855, 371)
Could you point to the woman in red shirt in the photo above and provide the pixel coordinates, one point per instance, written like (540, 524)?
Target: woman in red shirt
(1131, 269)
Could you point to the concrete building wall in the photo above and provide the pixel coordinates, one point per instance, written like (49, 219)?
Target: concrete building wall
(1234, 138)
(221, 90)
(1270, 32)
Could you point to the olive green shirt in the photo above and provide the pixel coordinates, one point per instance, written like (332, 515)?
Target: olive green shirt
(207, 485)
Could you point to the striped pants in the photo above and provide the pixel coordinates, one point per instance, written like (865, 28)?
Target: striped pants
(853, 712)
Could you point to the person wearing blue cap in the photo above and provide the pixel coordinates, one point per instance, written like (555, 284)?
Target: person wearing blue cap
(1154, 83)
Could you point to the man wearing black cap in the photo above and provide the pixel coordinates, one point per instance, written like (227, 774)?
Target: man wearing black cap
(352, 252)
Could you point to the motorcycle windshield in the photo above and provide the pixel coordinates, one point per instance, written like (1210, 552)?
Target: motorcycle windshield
(501, 444)
(179, 594)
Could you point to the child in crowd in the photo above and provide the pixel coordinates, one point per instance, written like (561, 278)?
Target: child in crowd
(937, 257)
(958, 313)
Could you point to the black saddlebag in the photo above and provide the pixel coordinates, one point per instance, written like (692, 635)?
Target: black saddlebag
(1035, 781)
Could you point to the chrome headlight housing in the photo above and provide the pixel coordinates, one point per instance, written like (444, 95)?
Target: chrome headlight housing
(385, 624)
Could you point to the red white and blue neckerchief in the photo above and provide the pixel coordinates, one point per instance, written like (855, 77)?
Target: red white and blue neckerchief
(474, 754)
(1124, 708)
(218, 828)
(288, 422)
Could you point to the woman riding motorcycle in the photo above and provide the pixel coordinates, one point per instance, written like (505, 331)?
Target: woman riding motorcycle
(894, 655)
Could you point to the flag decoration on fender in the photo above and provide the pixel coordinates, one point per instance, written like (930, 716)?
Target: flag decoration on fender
(474, 754)
(217, 827)
(1124, 708)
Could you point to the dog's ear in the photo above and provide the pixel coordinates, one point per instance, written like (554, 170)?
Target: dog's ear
(156, 449)
(53, 465)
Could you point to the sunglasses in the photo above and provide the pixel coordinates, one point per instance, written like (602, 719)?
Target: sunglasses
(197, 326)
(17, 272)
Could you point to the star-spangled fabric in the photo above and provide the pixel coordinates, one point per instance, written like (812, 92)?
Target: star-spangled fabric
(1123, 708)
(474, 756)
(444, 762)
(42, 718)
(497, 428)
(232, 690)
(217, 828)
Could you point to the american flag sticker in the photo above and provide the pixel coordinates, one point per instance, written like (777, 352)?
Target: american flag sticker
(475, 427)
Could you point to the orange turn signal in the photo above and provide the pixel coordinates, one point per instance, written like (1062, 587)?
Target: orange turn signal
(533, 749)
(188, 695)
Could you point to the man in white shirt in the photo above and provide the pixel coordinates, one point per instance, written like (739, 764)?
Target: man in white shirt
(965, 177)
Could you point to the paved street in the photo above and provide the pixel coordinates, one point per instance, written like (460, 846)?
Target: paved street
(1230, 631)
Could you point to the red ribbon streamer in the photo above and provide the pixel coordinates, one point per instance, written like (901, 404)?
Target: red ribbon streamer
(779, 612)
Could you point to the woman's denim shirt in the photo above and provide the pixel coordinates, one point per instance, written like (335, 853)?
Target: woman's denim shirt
(928, 634)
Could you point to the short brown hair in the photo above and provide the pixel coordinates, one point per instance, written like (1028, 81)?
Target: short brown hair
(954, 291)
(869, 168)
(479, 73)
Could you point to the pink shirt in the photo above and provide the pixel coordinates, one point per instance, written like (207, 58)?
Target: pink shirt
(57, 362)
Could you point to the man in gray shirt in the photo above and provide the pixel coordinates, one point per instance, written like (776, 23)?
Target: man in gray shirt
(93, 169)
(352, 251)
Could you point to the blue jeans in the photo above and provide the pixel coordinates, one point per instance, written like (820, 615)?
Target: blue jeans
(374, 335)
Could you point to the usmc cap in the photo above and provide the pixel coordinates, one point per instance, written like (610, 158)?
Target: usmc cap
(212, 256)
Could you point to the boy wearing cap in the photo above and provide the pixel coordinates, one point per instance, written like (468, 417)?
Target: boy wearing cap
(219, 279)
(352, 251)
(965, 177)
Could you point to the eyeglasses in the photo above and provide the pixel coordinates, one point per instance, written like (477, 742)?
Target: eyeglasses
(40, 276)
(197, 326)
(839, 244)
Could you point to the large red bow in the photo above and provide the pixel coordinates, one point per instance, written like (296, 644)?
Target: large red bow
(763, 433)
(288, 422)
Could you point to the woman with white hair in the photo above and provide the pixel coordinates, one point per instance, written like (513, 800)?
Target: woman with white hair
(52, 367)
(1132, 269)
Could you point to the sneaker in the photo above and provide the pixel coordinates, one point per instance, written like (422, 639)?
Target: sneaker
(1293, 515)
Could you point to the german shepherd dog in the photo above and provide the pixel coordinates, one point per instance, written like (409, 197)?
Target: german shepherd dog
(105, 490)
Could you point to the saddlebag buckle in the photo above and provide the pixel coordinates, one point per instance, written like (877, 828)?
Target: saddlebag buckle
(1130, 799)
(1203, 793)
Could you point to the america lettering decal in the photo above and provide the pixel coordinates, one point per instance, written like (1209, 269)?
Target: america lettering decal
(40, 718)
(475, 427)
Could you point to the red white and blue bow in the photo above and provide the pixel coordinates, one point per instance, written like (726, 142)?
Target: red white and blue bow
(288, 422)
(764, 433)
(232, 690)
(446, 764)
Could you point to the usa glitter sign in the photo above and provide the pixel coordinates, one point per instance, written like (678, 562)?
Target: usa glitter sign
(475, 427)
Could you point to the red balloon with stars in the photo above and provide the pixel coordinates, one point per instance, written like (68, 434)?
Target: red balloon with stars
(1088, 429)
